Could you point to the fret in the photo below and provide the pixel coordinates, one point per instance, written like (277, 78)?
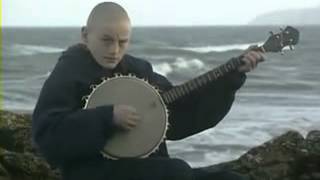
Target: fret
(205, 80)
(217, 73)
(188, 86)
(196, 82)
(234, 64)
(238, 62)
(192, 84)
(174, 93)
(195, 85)
(165, 97)
(182, 90)
(170, 97)
(213, 75)
(201, 80)
(209, 77)
(178, 91)
(230, 66)
(185, 89)
(224, 69)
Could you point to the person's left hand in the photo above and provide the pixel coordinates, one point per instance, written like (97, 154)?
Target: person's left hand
(250, 60)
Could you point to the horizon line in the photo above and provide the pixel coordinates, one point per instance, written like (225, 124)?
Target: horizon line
(160, 26)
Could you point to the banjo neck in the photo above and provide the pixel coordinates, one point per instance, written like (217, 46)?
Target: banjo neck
(275, 43)
(188, 87)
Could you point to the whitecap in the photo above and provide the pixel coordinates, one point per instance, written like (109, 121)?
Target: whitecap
(186, 64)
(178, 65)
(219, 48)
(163, 68)
(27, 80)
(27, 50)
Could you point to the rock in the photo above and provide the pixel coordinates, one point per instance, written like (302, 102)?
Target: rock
(18, 158)
(15, 132)
(27, 166)
(287, 157)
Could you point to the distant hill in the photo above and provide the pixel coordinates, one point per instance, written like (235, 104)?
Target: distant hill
(310, 16)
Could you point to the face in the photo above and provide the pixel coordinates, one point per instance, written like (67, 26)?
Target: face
(108, 43)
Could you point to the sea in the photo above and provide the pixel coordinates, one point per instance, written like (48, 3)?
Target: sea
(281, 94)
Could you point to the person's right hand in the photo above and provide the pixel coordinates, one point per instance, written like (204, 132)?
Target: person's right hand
(125, 117)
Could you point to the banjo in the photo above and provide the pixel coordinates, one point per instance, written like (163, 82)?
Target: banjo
(145, 138)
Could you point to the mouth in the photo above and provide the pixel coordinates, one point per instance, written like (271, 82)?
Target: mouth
(111, 59)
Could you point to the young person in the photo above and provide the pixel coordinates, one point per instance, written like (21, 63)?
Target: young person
(71, 137)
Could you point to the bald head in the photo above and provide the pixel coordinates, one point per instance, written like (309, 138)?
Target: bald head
(107, 34)
(107, 13)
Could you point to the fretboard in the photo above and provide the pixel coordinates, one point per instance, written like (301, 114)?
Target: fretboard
(194, 84)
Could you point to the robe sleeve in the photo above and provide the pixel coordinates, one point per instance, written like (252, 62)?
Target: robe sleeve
(202, 109)
(63, 131)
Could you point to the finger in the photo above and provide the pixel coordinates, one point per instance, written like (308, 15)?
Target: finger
(251, 60)
(255, 58)
(248, 61)
(126, 127)
(132, 109)
(245, 67)
(262, 57)
(250, 48)
(253, 47)
(134, 117)
(259, 56)
(131, 124)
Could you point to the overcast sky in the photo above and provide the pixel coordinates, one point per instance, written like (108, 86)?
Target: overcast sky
(145, 12)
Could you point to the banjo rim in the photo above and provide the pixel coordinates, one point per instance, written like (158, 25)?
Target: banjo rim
(109, 155)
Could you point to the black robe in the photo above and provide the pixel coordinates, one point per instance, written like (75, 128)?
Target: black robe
(67, 135)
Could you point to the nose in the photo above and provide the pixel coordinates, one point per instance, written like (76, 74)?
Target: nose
(114, 48)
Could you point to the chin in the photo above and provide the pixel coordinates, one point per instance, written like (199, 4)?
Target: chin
(110, 66)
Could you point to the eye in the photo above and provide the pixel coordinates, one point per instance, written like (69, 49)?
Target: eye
(107, 40)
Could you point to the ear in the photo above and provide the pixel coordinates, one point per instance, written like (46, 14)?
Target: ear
(84, 34)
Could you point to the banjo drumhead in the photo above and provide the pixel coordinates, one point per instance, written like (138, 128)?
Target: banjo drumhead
(150, 131)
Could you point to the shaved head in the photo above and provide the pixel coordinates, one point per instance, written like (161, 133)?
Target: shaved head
(107, 34)
(106, 13)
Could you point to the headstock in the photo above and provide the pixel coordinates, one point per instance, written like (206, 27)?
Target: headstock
(276, 42)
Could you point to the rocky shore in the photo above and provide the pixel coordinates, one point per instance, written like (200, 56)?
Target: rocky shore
(287, 157)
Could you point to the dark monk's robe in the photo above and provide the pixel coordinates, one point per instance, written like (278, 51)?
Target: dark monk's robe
(71, 137)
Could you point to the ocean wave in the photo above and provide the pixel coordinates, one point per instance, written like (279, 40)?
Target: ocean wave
(178, 65)
(163, 68)
(219, 48)
(26, 80)
(28, 50)
(18, 107)
(273, 95)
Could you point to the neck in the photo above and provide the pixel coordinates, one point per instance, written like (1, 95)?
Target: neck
(194, 84)
(200, 81)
